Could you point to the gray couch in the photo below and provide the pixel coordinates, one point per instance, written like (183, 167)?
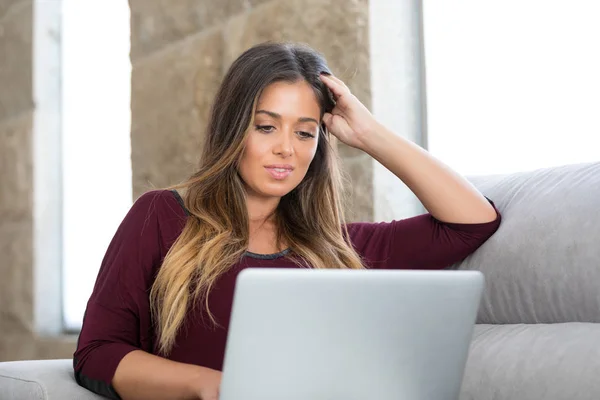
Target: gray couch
(538, 330)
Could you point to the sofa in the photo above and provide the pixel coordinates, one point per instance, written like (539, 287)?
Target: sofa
(538, 328)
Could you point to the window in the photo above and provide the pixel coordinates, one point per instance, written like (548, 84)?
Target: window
(96, 149)
(512, 85)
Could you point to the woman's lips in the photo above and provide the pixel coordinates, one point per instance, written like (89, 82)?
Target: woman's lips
(279, 173)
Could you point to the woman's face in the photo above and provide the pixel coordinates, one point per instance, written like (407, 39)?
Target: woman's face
(283, 140)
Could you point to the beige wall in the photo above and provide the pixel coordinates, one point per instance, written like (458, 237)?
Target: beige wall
(16, 218)
(180, 51)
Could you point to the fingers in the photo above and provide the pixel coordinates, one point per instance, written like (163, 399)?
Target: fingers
(335, 85)
(339, 81)
(328, 117)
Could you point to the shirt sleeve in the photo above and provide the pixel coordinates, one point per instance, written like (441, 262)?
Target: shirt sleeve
(117, 317)
(420, 242)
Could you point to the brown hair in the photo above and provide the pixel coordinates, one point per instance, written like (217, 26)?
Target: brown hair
(309, 219)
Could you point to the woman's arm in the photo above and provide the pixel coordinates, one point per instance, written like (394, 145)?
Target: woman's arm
(144, 376)
(446, 195)
(113, 351)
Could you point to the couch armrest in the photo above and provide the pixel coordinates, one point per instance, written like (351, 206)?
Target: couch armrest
(41, 380)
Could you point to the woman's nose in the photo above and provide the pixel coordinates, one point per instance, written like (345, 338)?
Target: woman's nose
(285, 145)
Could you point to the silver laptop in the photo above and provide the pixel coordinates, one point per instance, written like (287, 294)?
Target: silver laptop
(302, 334)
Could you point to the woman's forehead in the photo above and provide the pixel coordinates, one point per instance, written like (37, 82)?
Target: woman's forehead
(296, 100)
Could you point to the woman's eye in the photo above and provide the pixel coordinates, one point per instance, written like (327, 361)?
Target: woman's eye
(265, 128)
(306, 135)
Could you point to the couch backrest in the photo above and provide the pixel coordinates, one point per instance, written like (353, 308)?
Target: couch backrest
(543, 263)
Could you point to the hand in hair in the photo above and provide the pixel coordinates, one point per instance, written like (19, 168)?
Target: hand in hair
(350, 121)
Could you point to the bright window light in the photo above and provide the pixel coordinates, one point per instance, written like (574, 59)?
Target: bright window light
(96, 141)
(512, 85)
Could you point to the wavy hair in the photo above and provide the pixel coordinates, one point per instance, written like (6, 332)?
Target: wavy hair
(309, 219)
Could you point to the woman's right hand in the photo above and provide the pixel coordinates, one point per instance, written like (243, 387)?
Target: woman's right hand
(207, 384)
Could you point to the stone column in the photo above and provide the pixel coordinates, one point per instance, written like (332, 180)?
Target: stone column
(181, 50)
(16, 175)
(29, 290)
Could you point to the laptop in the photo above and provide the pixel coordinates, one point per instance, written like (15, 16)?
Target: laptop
(305, 334)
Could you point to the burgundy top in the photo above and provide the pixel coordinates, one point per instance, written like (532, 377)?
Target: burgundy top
(117, 319)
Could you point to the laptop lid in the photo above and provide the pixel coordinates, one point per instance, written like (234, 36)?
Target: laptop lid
(299, 334)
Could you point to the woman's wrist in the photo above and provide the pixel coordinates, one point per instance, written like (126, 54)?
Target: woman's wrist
(378, 140)
(203, 383)
(194, 382)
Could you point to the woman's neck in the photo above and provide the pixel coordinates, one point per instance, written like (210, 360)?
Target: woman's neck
(261, 210)
(263, 235)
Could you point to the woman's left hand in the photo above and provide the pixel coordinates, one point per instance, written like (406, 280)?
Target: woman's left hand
(350, 121)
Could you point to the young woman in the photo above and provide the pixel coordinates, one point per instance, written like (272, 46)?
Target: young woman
(267, 194)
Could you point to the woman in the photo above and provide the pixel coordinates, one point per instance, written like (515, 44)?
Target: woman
(267, 194)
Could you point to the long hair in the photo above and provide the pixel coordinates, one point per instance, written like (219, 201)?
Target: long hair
(216, 234)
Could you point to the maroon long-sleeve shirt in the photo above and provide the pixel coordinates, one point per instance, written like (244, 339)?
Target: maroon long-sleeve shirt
(117, 319)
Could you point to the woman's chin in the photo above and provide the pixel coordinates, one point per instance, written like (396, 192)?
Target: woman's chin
(276, 190)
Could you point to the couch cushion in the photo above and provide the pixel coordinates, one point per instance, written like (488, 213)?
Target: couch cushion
(543, 361)
(41, 380)
(543, 263)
